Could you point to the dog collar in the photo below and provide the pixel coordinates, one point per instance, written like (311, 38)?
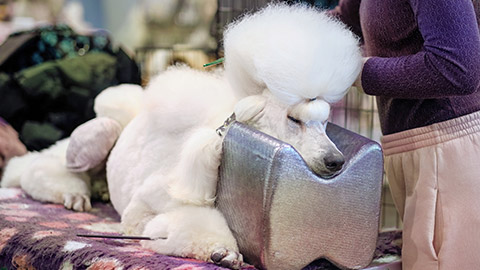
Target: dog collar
(221, 130)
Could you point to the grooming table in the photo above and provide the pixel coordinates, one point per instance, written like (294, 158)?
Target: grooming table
(42, 236)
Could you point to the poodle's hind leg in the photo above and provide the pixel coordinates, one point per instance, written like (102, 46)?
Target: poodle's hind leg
(47, 179)
(196, 232)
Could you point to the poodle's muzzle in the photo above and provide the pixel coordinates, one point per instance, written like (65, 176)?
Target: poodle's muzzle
(329, 165)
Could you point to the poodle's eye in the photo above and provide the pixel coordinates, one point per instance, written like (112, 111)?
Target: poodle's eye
(295, 120)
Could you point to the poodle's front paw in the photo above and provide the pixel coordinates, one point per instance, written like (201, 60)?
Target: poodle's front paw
(227, 258)
(77, 202)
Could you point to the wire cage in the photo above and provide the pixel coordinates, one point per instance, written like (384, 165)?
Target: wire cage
(356, 111)
(228, 11)
(153, 60)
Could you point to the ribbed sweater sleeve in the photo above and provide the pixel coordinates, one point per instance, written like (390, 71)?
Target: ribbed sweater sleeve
(348, 12)
(447, 65)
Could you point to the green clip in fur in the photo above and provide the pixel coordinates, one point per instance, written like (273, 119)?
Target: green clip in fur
(216, 62)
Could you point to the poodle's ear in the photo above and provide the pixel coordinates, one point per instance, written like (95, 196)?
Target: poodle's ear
(249, 107)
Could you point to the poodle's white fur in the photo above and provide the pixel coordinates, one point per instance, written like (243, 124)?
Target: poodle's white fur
(285, 63)
(297, 53)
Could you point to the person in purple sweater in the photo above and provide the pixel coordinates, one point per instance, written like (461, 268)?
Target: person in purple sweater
(423, 65)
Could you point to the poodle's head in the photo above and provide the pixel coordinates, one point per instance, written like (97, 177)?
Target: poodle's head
(301, 125)
(289, 63)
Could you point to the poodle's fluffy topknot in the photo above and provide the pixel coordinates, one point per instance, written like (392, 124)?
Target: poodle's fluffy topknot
(296, 52)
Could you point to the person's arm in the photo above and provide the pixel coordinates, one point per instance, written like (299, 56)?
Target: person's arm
(347, 11)
(10, 145)
(448, 64)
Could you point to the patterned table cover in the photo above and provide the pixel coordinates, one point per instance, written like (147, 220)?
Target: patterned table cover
(35, 235)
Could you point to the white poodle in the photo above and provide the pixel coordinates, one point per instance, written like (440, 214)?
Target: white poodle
(285, 65)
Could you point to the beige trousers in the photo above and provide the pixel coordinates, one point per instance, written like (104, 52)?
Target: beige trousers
(434, 177)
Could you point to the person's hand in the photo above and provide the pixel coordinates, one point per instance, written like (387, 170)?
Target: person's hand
(10, 145)
(358, 81)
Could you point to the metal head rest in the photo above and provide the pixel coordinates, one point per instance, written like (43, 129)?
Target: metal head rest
(284, 216)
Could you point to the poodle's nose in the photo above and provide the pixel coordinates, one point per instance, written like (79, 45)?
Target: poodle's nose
(334, 162)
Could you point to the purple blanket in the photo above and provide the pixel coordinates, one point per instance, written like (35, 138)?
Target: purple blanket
(36, 235)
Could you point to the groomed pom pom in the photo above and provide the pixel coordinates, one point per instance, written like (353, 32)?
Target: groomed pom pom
(121, 103)
(315, 110)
